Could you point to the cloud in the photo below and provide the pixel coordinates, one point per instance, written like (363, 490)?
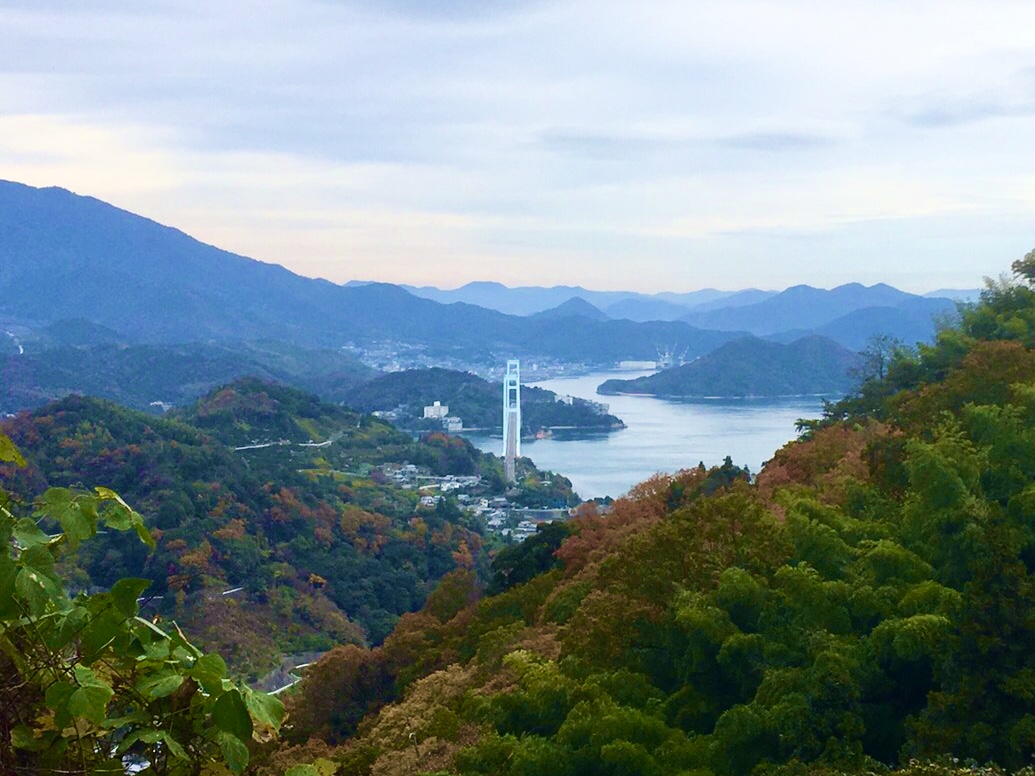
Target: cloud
(442, 142)
(452, 10)
(970, 111)
(1009, 95)
(777, 141)
(604, 147)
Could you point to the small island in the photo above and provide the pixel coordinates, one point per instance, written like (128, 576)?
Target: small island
(751, 367)
(471, 403)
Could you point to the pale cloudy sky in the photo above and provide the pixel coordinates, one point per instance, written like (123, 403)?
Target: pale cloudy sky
(637, 144)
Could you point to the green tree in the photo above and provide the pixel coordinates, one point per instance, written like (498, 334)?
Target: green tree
(85, 681)
(1025, 267)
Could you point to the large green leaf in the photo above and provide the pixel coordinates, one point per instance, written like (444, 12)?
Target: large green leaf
(234, 751)
(37, 591)
(231, 715)
(28, 534)
(156, 649)
(209, 671)
(8, 573)
(36, 585)
(175, 748)
(90, 699)
(160, 684)
(77, 513)
(125, 593)
(9, 453)
(101, 631)
(145, 736)
(56, 698)
(38, 559)
(69, 627)
(24, 737)
(266, 709)
(120, 516)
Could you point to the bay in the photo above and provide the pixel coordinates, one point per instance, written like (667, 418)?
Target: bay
(662, 435)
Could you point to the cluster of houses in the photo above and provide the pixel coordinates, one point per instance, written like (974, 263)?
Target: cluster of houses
(500, 515)
(409, 476)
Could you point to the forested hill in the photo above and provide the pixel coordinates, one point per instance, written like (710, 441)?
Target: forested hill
(866, 604)
(328, 548)
(476, 401)
(71, 360)
(752, 367)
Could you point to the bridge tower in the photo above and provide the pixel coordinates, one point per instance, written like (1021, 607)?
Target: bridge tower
(511, 418)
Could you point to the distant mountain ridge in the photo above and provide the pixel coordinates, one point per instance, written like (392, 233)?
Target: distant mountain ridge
(784, 316)
(957, 294)
(64, 255)
(798, 307)
(914, 320)
(529, 300)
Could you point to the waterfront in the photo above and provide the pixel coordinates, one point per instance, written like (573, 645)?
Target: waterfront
(662, 435)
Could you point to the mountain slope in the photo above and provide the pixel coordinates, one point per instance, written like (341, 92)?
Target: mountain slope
(737, 299)
(751, 367)
(646, 310)
(914, 320)
(574, 306)
(62, 255)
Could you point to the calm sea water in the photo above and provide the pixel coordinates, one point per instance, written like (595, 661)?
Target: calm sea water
(662, 435)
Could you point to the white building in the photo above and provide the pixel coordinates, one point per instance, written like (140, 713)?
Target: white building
(436, 411)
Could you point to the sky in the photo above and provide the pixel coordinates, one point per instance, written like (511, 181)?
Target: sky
(634, 145)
